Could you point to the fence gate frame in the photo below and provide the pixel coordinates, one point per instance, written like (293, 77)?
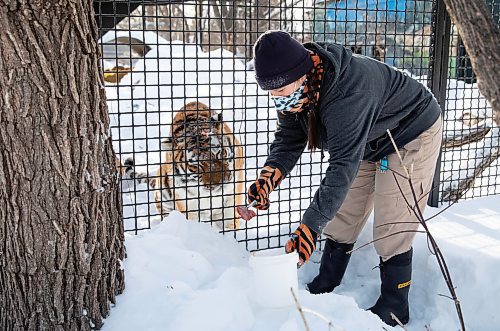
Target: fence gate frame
(438, 72)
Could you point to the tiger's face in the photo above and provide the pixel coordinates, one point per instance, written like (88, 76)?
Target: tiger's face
(202, 154)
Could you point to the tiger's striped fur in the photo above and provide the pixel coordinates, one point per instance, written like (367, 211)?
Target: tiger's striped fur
(203, 172)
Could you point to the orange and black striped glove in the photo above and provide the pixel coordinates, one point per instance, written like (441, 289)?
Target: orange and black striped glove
(259, 191)
(303, 240)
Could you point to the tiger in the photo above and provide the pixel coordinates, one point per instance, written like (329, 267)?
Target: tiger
(202, 175)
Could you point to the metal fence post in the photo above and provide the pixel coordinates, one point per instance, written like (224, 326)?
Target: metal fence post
(438, 72)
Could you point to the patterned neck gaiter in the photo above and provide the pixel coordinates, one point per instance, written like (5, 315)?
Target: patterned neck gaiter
(287, 102)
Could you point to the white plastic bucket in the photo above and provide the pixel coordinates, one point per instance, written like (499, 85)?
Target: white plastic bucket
(274, 273)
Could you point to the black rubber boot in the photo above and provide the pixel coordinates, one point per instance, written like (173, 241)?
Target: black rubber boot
(395, 275)
(332, 268)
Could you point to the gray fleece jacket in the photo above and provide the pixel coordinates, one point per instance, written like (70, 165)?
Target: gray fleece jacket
(360, 98)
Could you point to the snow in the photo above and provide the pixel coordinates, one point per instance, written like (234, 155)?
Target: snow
(462, 97)
(184, 275)
(468, 159)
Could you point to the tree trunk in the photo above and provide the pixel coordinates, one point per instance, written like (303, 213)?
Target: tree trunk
(482, 40)
(61, 232)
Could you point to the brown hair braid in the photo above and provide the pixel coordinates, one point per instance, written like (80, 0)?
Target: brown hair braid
(314, 77)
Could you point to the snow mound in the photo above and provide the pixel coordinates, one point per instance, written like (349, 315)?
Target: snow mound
(185, 275)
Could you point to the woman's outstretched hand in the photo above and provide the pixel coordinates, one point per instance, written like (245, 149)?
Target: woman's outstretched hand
(303, 240)
(259, 191)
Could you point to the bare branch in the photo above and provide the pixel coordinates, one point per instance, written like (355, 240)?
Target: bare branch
(439, 256)
(384, 237)
(434, 187)
(391, 169)
(397, 152)
(299, 308)
(441, 211)
(315, 313)
(446, 296)
(312, 312)
(426, 220)
(394, 317)
(406, 200)
(394, 223)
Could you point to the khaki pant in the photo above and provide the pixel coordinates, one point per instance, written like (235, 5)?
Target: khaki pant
(371, 188)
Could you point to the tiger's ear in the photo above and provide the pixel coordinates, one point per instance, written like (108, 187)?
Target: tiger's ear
(216, 117)
(216, 120)
(167, 143)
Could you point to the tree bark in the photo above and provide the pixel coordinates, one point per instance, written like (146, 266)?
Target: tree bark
(61, 231)
(481, 38)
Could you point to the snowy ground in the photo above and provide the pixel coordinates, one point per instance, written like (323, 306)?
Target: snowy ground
(186, 276)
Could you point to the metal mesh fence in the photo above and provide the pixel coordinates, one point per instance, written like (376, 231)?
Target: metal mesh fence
(471, 142)
(163, 58)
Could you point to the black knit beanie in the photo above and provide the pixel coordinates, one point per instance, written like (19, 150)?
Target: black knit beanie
(279, 60)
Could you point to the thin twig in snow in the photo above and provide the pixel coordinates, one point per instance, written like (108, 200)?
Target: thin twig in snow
(394, 317)
(312, 312)
(315, 313)
(299, 308)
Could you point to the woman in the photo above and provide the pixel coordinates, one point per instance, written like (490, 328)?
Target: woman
(330, 99)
